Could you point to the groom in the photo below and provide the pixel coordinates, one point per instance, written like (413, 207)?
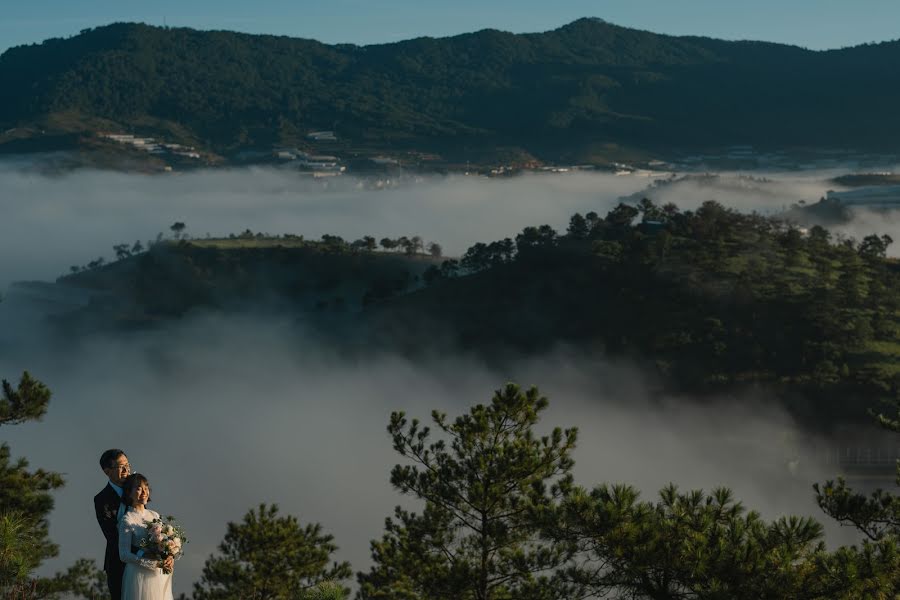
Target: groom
(108, 505)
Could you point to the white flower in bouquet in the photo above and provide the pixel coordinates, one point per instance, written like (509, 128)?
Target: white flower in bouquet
(165, 538)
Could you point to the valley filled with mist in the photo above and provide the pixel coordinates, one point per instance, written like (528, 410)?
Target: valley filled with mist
(279, 390)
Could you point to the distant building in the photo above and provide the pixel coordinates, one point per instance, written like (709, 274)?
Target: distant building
(150, 145)
(319, 136)
(320, 165)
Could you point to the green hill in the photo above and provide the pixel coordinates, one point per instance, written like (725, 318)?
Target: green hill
(710, 302)
(577, 92)
(174, 278)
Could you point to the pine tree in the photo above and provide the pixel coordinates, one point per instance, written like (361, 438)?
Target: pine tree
(25, 504)
(876, 515)
(475, 538)
(23, 492)
(578, 227)
(270, 557)
(19, 550)
(690, 545)
(874, 569)
(26, 402)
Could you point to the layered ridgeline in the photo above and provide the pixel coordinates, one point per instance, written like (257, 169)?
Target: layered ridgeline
(575, 92)
(712, 301)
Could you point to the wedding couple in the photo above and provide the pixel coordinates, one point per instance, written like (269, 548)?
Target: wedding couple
(132, 572)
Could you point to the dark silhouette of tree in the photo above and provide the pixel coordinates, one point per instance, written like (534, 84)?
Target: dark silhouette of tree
(177, 228)
(411, 246)
(622, 216)
(535, 237)
(122, 251)
(649, 211)
(450, 268)
(476, 258)
(435, 250)
(334, 243)
(873, 246)
(578, 227)
(819, 237)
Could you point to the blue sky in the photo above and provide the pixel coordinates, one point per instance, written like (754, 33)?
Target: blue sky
(816, 24)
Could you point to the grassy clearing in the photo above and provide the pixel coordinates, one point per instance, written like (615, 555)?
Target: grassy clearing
(237, 243)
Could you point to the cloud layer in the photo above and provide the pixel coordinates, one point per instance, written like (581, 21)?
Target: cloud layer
(51, 223)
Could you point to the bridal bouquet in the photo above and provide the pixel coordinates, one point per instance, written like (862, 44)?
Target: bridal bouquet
(165, 539)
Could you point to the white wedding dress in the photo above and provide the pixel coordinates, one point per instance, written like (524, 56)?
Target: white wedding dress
(143, 579)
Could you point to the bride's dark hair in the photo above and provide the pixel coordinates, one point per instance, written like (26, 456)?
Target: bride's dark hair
(131, 483)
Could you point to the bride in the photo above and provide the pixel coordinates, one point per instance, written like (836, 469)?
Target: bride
(144, 578)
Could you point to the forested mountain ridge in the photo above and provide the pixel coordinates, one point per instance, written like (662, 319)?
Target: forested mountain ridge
(562, 93)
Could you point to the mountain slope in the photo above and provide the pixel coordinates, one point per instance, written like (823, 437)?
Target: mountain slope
(552, 93)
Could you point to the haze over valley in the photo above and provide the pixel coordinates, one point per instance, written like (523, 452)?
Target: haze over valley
(80, 215)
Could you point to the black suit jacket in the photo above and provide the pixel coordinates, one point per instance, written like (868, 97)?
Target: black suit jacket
(106, 505)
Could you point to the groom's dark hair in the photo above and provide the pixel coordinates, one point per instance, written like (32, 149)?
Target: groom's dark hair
(108, 459)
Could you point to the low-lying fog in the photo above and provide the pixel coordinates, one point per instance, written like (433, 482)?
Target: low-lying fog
(51, 223)
(224, 413)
